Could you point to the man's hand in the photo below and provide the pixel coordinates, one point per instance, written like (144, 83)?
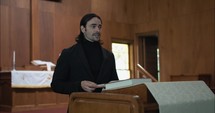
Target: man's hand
(89, 86)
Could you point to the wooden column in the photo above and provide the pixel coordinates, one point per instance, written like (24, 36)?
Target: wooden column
(35, 40)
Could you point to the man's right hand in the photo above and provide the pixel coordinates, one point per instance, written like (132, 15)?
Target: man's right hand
(89, 86)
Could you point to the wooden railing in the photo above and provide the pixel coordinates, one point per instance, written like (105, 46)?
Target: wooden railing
(146, 73)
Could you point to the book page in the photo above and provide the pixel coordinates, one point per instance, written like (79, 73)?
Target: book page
(125, 83)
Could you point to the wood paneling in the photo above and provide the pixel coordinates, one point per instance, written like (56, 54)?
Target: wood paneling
(117, 18)
(27, 99)
(15, 32)
(40, 29)
(120, 11)
(186, 34)
(66, 23)
(35, 48)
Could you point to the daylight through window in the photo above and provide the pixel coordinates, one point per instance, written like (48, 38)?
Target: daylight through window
(121, 53)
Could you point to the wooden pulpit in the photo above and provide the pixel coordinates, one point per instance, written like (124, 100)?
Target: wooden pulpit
(134, 99)
(151, 97)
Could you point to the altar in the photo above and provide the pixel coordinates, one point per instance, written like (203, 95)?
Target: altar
(28, 90)
(31, 79)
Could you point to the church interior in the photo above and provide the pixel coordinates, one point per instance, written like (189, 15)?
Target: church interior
(168, 41)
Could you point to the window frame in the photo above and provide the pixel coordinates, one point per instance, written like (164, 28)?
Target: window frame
(130, 53)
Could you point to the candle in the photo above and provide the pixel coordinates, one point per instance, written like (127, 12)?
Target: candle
(14, 59)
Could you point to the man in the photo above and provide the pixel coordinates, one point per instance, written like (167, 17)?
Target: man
(86, 64)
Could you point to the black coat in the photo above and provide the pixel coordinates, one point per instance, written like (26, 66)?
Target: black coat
(72, 68)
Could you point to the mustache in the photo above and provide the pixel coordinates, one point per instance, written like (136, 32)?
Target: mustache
(96, 34)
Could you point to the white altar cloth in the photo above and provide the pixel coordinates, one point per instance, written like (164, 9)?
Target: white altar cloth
(31, 79)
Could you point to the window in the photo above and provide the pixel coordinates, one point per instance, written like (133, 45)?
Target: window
(121, 54)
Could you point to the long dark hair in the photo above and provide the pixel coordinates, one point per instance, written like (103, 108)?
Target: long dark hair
(83, 22)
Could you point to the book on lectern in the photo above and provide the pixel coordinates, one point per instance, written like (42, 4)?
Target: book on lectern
(124, 83)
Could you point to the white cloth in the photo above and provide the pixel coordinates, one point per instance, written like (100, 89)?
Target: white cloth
(31, 79)
(183, 97)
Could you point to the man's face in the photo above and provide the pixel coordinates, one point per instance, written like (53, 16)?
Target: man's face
(92, 29)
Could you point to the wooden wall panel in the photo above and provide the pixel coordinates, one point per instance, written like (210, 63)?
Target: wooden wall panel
(15, 32)
(174, 8)
(49, 95)
(35, 48)
(22, 98)
(42, 30)
(67, 21)
(117, 18)
(4, 34)
(116, 11)
(55, 26)
(186, 34)
(192, 44)
(145, 11)
(20, 32)
(46, 36)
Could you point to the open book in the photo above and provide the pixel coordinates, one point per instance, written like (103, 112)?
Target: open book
(40, 63)
(125, 83)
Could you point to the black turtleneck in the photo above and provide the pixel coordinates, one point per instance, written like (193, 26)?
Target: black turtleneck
(94, 55)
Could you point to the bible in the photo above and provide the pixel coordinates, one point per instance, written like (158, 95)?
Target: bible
(125, 83)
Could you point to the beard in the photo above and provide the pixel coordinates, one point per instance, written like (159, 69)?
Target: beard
(93, 37)
(96, 36)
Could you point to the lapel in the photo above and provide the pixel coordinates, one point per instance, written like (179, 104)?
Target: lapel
(83, 58)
